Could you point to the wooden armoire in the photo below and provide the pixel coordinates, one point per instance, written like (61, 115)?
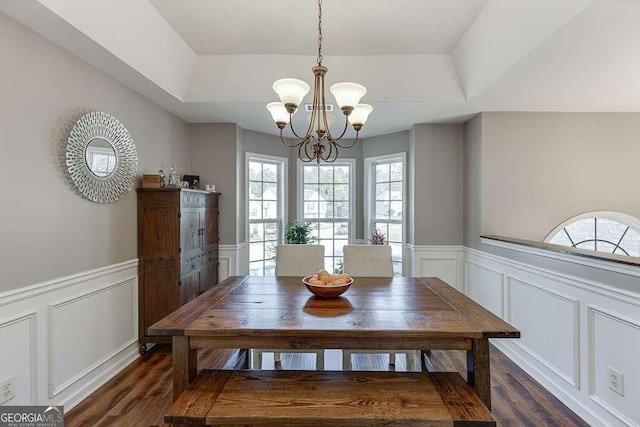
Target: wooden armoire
(177, 252)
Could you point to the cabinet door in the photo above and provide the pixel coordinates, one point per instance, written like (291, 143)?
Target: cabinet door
(189, 286)
(160, 293)
(210, 221)
(209, 270)
(190, 231)
(158, 227)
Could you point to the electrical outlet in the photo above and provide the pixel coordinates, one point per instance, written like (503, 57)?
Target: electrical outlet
(7, 389)
(616, 381)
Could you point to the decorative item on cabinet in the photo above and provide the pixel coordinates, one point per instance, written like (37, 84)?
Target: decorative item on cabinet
(177, 251)
(151, 181)
(174, 178)
(193, 180)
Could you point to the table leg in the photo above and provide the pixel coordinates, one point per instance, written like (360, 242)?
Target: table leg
(246, 353)
(479, 371)
(185, 365)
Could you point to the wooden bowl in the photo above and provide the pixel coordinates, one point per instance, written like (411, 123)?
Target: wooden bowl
(327, 291)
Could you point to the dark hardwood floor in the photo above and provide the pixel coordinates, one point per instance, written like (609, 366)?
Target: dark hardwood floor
(141, 394)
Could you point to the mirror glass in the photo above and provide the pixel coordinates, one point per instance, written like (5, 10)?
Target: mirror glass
(100, 157)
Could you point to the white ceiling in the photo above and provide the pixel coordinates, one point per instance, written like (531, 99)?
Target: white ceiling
(350, 27)
(422, 61)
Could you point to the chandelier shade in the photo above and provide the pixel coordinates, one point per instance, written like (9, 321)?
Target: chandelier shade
(347, 94)
(291, 91)
(318, 143)
(360, 114)
(278, 112)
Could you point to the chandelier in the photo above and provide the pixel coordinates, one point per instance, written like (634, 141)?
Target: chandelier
(318, 143)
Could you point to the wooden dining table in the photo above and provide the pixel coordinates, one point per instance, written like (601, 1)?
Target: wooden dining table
(400, 313)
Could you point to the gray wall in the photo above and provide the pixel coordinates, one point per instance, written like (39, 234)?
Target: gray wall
(386, 144)
(539, 169)
(472, 175)
(436, 154)
(213, 156)
(48, 231)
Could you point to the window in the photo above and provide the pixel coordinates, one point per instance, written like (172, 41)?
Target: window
(101, 160)
(265, 211)
(326, 201)
(610, 232)
(385, 202)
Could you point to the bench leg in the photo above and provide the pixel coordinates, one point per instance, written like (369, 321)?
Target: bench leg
(425, 361)
(185, 364)
(411, 360)
(256, 359)
(479, 371)
(320, 360)
(346, 360)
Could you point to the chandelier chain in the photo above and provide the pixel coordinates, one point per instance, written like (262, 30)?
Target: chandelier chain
(319, 32)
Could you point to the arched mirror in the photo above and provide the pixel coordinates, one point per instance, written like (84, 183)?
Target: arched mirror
(101, 158)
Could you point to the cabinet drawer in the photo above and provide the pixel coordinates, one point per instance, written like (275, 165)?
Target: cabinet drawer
(191, 263)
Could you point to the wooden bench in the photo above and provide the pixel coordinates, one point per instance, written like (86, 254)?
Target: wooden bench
(329, 398)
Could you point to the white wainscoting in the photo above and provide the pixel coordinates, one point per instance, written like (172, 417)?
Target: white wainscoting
(445, 262)
(233, 260)
(573, 330)
(69, 336)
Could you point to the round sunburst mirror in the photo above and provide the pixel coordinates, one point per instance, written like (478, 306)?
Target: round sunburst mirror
(101, 158)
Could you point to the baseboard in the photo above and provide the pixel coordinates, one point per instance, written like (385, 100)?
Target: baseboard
(109, 369)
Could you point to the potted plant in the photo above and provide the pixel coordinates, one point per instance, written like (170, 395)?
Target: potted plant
(377, 238)
(298, 233)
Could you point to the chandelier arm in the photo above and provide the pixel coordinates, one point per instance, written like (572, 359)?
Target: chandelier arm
(300, 152)
(332, 147)
(307, 144)
(286, 143)
(331, 156)
(315, 108)
(344, 130)
(335, 157)
(352, 144)
(294, 131)
(323, 109)
(307, 157)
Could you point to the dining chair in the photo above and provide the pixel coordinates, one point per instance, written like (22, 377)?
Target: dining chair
(295, 260)
(371, 261)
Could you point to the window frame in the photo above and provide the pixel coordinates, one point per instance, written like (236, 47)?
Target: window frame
(351, 220)
(282, 163)
(369, 198)
(624, 219)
